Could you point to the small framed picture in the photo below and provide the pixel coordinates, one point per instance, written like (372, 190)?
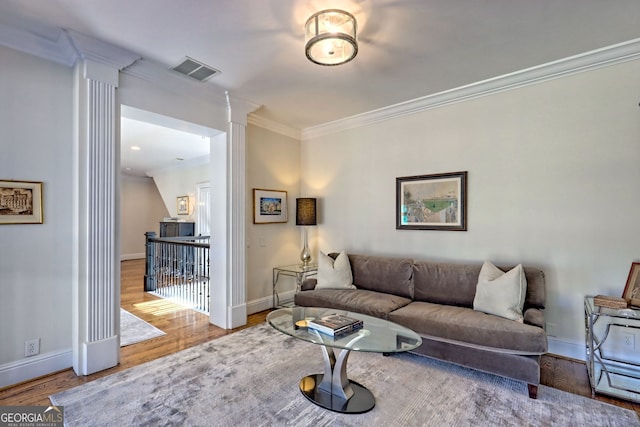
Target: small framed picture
(20, 202)
(632, 289)
(183, 205)
(432, 202)
(269, 206)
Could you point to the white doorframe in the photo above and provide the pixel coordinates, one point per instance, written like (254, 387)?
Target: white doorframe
(203, 209)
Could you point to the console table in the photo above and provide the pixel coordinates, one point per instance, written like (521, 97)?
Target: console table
(299, 271)
(613, 350)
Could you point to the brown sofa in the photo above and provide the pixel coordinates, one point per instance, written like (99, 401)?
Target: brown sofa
(435, 299)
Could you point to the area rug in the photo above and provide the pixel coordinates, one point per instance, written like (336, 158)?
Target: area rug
(250, 378)
(134, 330)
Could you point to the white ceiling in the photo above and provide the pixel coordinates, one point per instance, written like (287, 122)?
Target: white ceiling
(407, 48)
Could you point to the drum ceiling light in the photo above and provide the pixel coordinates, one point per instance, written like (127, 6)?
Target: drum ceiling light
(330, 37)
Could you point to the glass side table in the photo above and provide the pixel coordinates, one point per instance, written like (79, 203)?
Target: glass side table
(299, 271)
(613, 352)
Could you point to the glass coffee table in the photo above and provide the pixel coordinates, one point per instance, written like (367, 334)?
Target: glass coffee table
(332, 389)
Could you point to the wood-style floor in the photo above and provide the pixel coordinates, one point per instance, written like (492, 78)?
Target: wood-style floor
(186, 328)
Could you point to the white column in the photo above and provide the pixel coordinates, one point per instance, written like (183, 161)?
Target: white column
(237, 250)
(228, 250)
(96, 317)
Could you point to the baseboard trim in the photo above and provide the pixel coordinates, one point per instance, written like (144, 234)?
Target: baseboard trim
(127, 257)
(567, 349)
(34, 367)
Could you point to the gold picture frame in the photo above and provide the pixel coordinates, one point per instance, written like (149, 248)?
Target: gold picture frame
(182, 204)
(20, 202)
(632, 288)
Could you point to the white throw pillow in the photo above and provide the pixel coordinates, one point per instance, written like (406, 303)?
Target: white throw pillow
(499, 293)
(334, 274)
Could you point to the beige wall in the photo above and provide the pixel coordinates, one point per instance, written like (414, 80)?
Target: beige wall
(553, 176)
(273, 163)
(141, 210)
(36, 140)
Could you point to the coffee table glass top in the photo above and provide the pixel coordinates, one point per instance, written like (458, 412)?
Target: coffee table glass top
(377, 335)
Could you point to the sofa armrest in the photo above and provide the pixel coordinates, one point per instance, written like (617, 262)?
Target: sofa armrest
(308, 284)
(535, 317)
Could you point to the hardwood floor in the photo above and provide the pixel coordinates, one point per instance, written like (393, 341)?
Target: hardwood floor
(186, 328)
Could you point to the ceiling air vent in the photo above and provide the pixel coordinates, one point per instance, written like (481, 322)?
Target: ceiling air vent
(196, 70)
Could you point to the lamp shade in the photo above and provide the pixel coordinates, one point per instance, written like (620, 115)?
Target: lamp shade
(305, 211)
(330, 37)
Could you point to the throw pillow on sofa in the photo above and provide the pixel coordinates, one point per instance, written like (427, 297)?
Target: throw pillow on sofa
(334, 274)
(499, 293)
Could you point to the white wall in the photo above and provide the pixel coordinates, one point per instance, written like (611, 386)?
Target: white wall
(36, 137)
(141, 210)
(553, 176)
(181, 182)
(273, 163)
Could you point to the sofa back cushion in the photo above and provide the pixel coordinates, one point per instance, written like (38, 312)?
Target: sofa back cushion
(455, 284)
(383, 274)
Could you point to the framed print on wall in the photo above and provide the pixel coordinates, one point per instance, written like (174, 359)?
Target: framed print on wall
(269, 206)
(20, 202)
(632, 289)
(432, 202)
(183, 205)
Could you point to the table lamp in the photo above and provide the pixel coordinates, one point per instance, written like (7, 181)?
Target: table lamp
(305, 215)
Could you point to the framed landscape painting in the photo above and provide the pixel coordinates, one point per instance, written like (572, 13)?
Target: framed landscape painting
(432, 202)
(20, 202)
(269, 206)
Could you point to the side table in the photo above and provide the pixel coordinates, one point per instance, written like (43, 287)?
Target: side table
(613, 350)
(299, 271)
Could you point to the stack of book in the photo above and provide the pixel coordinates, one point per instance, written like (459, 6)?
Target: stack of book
(335, 325)
(610, 302)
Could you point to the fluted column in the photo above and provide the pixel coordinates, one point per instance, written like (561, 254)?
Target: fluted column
(237, 224)
(96, 176)
(228, 241)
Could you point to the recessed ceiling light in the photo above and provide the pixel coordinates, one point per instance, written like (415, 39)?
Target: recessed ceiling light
(135, 148)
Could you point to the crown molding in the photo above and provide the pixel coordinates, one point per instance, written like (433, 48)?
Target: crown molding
(274, 126)
(595, 59)
(100, 51)
(56, 48)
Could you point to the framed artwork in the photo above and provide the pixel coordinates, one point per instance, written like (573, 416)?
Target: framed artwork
(432, 202)
(632, 289)
(20, 202)
(269, 206)
(183, 205)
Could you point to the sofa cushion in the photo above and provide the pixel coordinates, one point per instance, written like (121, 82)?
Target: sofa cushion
(445, 283)
(501, 293)
(334, 274)
(468, 326)
(383, 274)
(375, 304)
(455, 284)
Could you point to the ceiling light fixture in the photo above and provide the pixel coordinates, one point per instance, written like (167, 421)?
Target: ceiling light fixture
(330, 37)
(135, 148)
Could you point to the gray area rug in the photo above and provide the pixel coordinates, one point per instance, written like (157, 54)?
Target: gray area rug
(250, 378)
(134, 330)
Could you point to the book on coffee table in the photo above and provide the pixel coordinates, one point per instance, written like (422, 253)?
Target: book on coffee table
(335, 324)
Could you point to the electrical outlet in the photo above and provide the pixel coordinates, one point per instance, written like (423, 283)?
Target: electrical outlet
(32, 347)
(628, 340)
